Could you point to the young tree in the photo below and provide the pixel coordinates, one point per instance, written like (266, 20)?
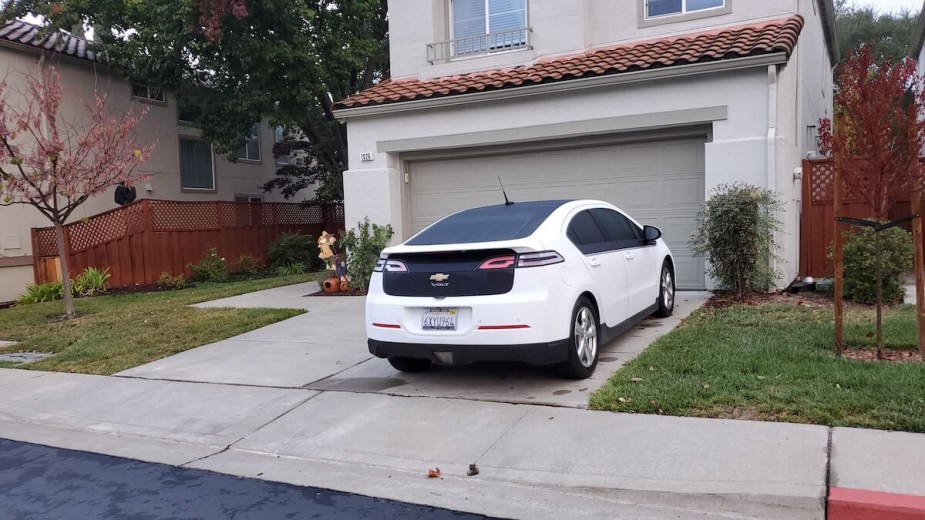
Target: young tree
(55, 165)
(878, 134)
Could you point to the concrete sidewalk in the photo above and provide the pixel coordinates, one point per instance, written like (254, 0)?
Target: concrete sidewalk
(535, 461)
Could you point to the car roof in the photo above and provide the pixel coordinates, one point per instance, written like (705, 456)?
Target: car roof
(488, 223)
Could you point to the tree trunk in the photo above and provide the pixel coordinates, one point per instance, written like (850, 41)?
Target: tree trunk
(65, 271)
(919, 266)
(879, 298)
(839, 267)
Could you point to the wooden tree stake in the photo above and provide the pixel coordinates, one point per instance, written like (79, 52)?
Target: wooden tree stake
(919, 269)
(839, 265)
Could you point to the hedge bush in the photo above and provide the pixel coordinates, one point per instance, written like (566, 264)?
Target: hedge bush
(735, 231)
(293, 248)
(860, 251)
(363, 246)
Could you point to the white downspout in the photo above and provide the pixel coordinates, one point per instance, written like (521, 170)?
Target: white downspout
(772, 127)
(772, 140)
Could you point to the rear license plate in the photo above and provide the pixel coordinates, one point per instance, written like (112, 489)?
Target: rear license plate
(439, 319)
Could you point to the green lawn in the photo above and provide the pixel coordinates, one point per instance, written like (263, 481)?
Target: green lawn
(114, 333)
(774, 362)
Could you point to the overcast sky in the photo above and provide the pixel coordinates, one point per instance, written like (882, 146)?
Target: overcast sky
(891, 5)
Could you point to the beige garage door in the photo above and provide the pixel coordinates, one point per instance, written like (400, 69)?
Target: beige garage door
(658, 183)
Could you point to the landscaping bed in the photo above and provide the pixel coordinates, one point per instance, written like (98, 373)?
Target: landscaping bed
(771, 358)
(116, 332)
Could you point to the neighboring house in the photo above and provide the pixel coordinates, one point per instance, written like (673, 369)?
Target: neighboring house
(648, 104)
(183, 166)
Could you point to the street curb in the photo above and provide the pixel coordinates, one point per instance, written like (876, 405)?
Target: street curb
(862, 504)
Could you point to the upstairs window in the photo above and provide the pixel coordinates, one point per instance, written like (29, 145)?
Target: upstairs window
(196, 168)
(483, 25)
(148, 94)
(656, 8)
(250, 151)
(279, 135)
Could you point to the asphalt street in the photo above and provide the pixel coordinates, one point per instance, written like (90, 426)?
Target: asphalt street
(40, 482)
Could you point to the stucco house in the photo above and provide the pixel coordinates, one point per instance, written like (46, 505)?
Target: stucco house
(183, 166)
(648, 104)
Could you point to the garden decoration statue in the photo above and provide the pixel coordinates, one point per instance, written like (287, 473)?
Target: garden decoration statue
(340, 269)
(326, 244)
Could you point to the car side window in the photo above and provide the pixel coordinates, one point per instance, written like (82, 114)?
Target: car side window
(586, 234)
(617, 228)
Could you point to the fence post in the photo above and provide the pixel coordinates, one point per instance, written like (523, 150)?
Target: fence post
(806, 223)
(36, 257)
(837, 210)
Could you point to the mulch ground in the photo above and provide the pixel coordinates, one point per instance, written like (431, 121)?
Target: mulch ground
(889, 355)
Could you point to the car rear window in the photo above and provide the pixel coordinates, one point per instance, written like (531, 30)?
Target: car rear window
(487, 224)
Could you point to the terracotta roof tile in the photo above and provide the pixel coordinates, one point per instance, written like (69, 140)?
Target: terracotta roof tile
(18, 31)
(729, 43)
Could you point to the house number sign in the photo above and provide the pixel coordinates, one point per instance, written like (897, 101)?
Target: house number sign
(366, 156)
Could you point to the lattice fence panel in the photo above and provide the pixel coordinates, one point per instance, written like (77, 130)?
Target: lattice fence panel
(293, 214)
(822, 177)
(45, 242)
(97, 230)
(171, 215)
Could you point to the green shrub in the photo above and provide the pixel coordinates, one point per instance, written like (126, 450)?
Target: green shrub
(46, 292)
(211, 268)
(861, 264)
(290, 270)
(363, 246)
(91, 282)
(169, 281)
(293, 248)
(247, 264)
(735, 231)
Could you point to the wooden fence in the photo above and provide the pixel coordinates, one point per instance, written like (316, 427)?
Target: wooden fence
(817, 220)
(142, 240)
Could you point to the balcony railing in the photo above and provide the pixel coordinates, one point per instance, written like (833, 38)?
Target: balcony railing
(482, 44)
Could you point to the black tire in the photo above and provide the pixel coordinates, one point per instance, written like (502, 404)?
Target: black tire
(666, 292)
(582, 356)
(407, 364)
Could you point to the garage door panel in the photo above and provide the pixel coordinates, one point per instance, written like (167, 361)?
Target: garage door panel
(658, 183)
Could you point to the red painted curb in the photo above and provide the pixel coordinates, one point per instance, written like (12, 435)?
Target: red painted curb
(862, 504)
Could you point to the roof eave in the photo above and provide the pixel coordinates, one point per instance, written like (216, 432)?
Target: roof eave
(919, 39)
(827, 12)
(775, 58)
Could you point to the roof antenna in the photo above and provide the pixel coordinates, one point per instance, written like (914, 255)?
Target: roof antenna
(507, 202)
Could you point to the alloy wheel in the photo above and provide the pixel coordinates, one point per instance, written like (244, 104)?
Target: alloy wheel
(586, 337)
(667, 288)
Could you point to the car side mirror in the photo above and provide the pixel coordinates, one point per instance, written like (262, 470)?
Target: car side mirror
(651, 233)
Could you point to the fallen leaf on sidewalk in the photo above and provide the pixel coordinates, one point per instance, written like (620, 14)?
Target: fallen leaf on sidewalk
(473, 470)
(433, 473)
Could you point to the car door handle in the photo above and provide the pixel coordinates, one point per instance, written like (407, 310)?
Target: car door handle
(594, 262)
(630, 256)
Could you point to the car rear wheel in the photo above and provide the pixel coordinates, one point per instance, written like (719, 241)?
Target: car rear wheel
(406, 364)
(665, 293)
(583, 342)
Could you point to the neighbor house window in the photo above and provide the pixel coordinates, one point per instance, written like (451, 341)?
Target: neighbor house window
(279, 135)
(250, 150)
(483, 25)
(196, 169)
(655, 8)
(147, 93)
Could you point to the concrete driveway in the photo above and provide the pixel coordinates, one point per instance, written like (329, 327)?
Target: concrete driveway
(325, 349)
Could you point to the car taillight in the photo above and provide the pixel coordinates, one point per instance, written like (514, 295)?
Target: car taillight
(498, 262)
(539, 259)
(392, 266)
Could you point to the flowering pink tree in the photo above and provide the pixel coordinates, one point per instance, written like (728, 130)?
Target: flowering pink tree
(56, 165)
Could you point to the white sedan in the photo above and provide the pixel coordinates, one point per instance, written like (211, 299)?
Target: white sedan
(542, 283)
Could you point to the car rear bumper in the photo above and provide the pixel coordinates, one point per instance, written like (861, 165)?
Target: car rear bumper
(533, 353)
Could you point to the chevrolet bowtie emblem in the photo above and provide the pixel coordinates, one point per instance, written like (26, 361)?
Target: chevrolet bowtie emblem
(439, 277)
